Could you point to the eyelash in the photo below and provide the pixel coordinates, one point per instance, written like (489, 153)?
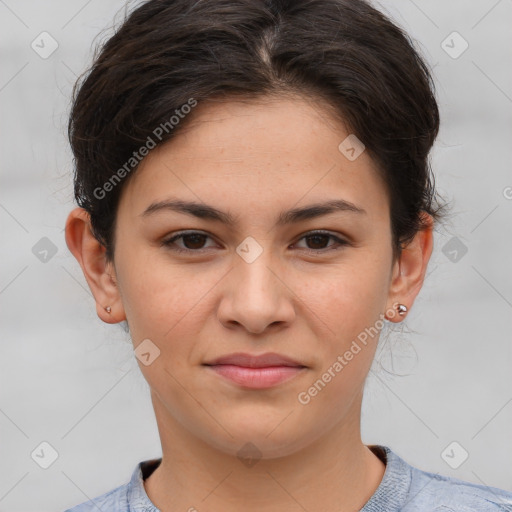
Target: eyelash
(169, 242)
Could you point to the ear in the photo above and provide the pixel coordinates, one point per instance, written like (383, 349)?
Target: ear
(99, 274)
(410, 269)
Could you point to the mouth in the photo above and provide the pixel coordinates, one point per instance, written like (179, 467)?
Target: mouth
(266, 360)
(256, 371)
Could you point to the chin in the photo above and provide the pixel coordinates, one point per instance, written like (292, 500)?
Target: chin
(260, 439)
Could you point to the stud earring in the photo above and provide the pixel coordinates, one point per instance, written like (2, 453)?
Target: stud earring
(108, 309)
(402, 309)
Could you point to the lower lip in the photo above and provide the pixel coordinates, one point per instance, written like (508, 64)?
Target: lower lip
(257, 378)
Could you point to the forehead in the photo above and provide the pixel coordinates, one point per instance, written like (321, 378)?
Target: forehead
(263, 152)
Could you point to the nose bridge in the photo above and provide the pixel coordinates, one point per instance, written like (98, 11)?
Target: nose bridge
(256, 296)
(253, 274)
(255, 277)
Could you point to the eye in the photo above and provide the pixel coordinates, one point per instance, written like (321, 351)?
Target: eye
(318, 238)
(193, 240)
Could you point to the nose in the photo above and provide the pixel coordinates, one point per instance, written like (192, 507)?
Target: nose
(256, 296)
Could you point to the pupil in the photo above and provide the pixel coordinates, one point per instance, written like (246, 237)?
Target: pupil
(316, 237)
(193, 237)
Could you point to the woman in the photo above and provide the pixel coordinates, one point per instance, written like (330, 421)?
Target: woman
(255, 201)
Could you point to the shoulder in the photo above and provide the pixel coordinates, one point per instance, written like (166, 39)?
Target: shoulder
(128, 497)
(115, 500)
(438, 493)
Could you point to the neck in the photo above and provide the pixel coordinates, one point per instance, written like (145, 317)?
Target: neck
(336, 472)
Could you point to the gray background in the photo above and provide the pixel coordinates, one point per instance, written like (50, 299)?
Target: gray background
(72, 381)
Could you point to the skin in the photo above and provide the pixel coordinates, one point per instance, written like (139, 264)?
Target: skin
(254, 160)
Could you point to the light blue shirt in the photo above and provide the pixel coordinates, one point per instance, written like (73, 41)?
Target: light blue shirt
(403, 488)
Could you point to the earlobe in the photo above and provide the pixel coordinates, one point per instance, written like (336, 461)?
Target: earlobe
(90, 254)
(410, 269)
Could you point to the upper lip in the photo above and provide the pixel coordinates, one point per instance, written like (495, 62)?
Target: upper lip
(255, 361)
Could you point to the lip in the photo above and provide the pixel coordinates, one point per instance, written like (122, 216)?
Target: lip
(256, 371)
(255, 361)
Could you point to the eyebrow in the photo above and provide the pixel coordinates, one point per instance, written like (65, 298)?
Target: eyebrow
(204, 211)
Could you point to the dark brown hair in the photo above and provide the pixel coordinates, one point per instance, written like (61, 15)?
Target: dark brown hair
(170, 53)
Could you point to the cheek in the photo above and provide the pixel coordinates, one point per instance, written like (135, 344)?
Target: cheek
(350, 303)
(347, 298)
(159, 297)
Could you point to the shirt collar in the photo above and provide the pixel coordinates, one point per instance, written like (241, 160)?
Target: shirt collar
(393, 489)
(138, 500)
(391, 494)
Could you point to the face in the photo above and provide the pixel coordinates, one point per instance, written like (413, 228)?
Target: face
(306, 286)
